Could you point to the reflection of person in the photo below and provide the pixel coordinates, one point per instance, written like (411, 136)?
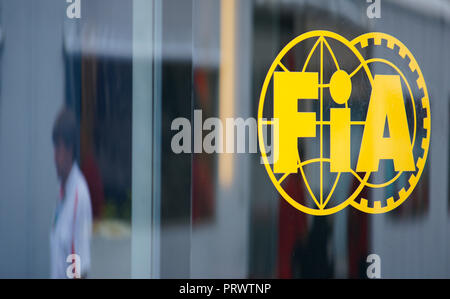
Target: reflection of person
(72, 225)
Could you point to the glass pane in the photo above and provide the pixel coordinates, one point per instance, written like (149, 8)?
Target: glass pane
(163, 102)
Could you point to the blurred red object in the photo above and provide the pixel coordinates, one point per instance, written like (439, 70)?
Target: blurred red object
(292, 226)
(93, 178)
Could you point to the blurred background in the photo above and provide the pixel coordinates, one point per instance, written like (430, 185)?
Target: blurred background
(128, 69)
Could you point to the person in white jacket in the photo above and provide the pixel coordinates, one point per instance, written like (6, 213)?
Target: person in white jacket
(71, 231)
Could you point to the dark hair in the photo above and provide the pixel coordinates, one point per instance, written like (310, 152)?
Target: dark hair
(65, 130)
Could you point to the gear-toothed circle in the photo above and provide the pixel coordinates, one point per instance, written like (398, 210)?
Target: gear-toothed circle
(383, 45)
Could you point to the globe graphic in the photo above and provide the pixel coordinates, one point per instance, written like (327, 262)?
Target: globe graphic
(339, 80)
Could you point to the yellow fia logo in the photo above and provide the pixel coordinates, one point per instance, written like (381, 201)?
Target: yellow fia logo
(337, 119)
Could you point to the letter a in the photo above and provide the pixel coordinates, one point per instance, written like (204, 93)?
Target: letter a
(74, 9)
(374, 269)
(386, 103)
(374, 9)
(73, 270)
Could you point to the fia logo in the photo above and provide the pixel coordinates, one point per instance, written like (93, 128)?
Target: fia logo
(356, 119)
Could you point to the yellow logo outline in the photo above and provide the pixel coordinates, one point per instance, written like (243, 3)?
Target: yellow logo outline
(362, 204)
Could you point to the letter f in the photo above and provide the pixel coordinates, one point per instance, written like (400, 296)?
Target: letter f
(289, 87)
